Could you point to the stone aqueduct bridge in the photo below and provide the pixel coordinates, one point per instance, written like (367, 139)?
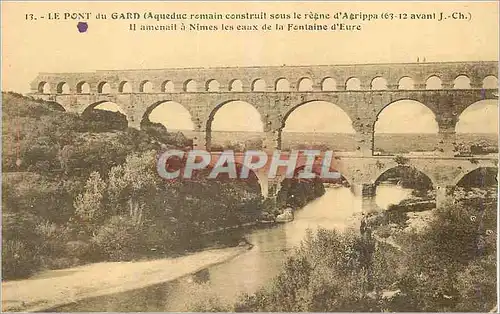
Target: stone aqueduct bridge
(362, 91)
(363, 172)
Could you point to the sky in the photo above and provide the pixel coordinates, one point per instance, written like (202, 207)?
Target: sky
(30, 47)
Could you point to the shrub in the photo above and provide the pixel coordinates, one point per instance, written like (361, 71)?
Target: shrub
(79, 249)
(401, 160)
(18, 260)
(118, 239)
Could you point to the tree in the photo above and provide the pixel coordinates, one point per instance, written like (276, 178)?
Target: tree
(89, 204)
(133, 186)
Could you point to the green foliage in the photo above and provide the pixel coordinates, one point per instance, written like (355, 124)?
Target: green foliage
(297, 193)
(89, 204)
(450, 266)
(118, 239)
(206, 300)
(18, 260)
(39, 195)
(327, 273)
(104, 121)
(133, 185)
(159, 132)
(81, 189)
(401, 160)
(211, 304)
(408, 176)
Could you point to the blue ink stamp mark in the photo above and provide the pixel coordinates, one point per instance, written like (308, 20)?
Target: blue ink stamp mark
(82, 27)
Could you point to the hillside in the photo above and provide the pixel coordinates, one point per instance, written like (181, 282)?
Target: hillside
(80, 189)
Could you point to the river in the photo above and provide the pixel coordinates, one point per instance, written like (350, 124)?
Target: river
(336, 209)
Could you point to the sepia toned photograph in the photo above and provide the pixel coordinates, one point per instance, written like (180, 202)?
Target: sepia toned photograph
(250, 156)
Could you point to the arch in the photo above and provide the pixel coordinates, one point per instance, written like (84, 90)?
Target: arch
(408, 121)
(308, 125)
(353, 83)
(490, 82)
(83, 88)
(63, 88)
(396, 184)
(480, 117)
(259, 85)
(105, 116)
(146, 87)
(44, 88)
(55, 106)
(105, 105)
(282, 85)
(167, 87)
(190, 86)
(378, 83)
(344, 115)
(305, 84)
(408, 173)
(232, 117)
(317, 170)
(171, 114)
(212, 86)
(466, 177)
(235, 86)
(433, 82)
(405, 126)
(125, 87)
(461, 82)
(406, 83)
(328, 84)
(103, 88)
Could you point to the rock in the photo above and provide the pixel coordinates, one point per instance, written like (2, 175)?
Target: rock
(286, 216)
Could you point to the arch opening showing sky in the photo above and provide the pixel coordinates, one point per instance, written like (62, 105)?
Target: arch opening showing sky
(406, 116)
(480, 117)
(110, 106)
(172, 115)
(318, 116)
(237, 116)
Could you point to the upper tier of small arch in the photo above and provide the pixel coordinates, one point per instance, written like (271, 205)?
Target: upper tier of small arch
(472, 73)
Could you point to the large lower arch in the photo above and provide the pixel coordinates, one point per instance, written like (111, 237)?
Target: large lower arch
(104, 105)
(405, 126)
(401, 182)
(479, 117)
(55, 105)
(118, 120)
(236, 124)
(477, 128)
(317, 125)
(411, 174)
(478, 177)
(172, 115)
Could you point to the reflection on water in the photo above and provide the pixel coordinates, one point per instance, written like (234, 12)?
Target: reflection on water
(336, 209)
(388, 193)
